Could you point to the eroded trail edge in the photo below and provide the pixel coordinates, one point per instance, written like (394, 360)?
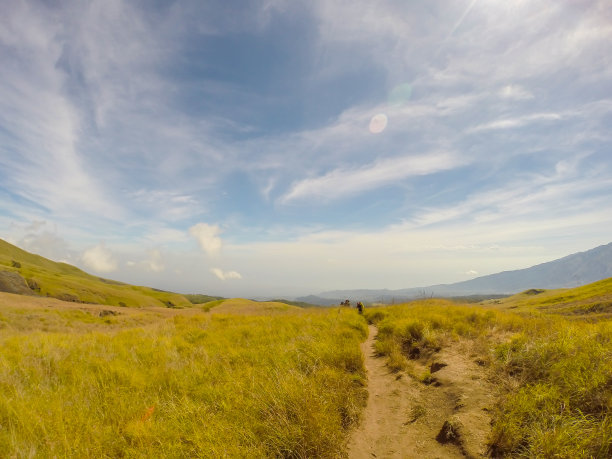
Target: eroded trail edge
(445, 417)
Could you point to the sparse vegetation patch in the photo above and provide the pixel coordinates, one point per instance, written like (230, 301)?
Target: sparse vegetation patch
(554, 374)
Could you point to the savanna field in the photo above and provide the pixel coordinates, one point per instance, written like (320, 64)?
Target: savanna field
(238, 378)
(321, 229)
(283, 383)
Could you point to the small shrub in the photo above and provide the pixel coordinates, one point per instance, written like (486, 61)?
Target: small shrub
(33, 285)
(427, 377)
(450, 432)
(417, 412)
(374, 315)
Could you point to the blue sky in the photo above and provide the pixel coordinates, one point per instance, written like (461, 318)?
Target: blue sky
(286, 148)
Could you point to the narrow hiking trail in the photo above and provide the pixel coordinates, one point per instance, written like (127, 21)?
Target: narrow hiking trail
(406, 418)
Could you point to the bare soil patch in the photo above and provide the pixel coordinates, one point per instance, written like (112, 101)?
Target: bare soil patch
(448, 416)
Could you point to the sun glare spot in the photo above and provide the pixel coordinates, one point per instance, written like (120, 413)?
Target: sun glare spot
(400, 94)
(378, 123)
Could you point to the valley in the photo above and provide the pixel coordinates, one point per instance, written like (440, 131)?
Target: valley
(524, 376)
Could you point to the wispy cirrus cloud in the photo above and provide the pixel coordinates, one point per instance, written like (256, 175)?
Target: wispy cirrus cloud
(515, 92)
(510, 123)
(571, 187)
(130, 125)
(43, 153)
(340, 183)
(168, 205)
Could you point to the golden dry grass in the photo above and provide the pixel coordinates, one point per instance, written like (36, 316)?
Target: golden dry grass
(554, 374)
(155, 382)
(249, 307)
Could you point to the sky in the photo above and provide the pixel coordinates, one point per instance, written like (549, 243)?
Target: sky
(282, 148)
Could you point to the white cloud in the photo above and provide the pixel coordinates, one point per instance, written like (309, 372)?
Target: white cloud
(47, 244)
(456, 104)
(155, 262)
(408, 255)
(165, 235)
(538, 196)
(42, 155)
(509, 123)
(42, 238)
(224, 275)
(98, 126)
(208, 237)
(167, 205)
(516, 92)
(340, 183)
(99, 259)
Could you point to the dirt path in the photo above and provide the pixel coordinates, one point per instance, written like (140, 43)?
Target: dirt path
(404, 418)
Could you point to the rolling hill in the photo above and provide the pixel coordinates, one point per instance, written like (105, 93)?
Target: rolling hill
(592, 301)
(26, 273)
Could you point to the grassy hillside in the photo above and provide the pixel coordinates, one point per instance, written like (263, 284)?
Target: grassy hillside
(63, 281)
(199, 298)
(76, 381)
(250, 307)
(301, 304)
(554, 373)
(589, 301)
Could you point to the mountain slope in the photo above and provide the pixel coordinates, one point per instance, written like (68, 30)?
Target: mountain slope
(592, 300)
(570, 271)
(66, 282)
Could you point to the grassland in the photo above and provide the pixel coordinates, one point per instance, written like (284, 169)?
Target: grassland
(238, 378)
(589, 302)
(553, 366)
(177, 383)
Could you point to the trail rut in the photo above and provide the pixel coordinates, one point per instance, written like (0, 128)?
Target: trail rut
(406, 418)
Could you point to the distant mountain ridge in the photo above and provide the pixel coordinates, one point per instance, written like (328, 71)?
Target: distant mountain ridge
(571, 271)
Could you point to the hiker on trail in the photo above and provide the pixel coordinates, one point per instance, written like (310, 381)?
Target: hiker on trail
(346, 303)
(360, 307)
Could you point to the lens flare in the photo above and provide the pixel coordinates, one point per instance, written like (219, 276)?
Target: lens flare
(400, 94)
(378, 123)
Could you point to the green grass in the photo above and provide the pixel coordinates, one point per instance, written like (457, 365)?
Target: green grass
(301, 304)
(179, 384)
(211, 304)
(198, 298)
